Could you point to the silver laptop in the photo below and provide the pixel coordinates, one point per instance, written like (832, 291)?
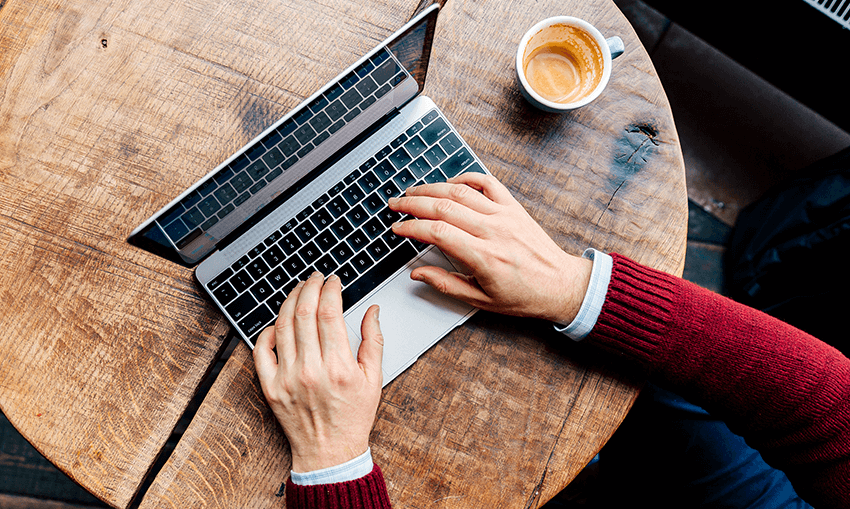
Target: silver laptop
(310, 193)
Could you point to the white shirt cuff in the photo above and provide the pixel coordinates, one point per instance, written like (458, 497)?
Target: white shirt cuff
(594, 298)
(348, 471)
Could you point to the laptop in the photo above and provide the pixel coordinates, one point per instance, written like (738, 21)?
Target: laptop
(310, 193)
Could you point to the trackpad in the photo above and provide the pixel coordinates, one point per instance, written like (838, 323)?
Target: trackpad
(413, 317)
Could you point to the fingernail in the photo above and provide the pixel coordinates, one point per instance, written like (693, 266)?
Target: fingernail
(316, 274)
(394, 225)
(300, 284)
(393, 200)
(333, 277)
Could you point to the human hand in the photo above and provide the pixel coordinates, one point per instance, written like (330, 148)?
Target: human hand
(517, 268)
(324, 399)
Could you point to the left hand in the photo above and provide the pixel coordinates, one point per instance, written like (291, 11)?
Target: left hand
(324, 398)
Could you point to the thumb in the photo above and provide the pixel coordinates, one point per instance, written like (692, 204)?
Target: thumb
(453, 284)
(371, 351)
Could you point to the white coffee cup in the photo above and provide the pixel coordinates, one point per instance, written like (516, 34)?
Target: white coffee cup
(559, 53)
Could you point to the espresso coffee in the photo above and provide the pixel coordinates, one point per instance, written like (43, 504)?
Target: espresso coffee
(563, 63)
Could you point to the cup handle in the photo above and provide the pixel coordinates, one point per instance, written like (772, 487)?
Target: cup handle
(615, 44)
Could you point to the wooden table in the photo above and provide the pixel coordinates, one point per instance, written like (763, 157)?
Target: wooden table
(109, 108)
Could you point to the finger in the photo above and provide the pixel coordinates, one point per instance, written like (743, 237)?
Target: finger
(371, 351)
(441, 209)
(333, 335)
(450, 239)
(305, 322)
(264, 358)
(455, 285)
(284, 328)
(487, 184)
(456, 192)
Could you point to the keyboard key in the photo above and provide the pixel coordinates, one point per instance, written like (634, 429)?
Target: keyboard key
(273, 256)
(309, 253)
(336, 126)
(351, 115)
(430, 116)
(193, 217)
(392, 240)
(377, 249)
(475, 168)
(396, 143)
(415, 128)
(242, 198)
(209, 224)
(320, 122)
(273, 157)
(341, 253)
(404, 179)
(384, 152)
(273, 238)
(377, 275)
(353, 194)
(415, 146)
(384, 170)
(305, 231)
(256, 321)
(434, 177)
(389, 190)
(304, 134)
(435, 156)
(366, 86)
(400, 158)
(321, 200)
(456, 163)
(388, 216)
(304, 150)
(227, 209)
(206, 188)
(276, 301)
(351, 99)
(209, 206)
(350, 80)
(290, 244)
(450, 143)
(261, 290)
(322, 219)
(373, 203)
(257, 251)
(220, 178)
(436, 130)
(326, 240)
(381, 92)
(357, 216)
(272, 139)
(225, 193)
(362, 262)
(277, 278)
(220, 279)
(241, 182)
(419, 167)
(293, 266)
(351, 177)
(275, 173)
(318, 103)
(334, 93)
(240, 307)
(303, 116)
(336, 110)
(368, 182)
(289, 146)
(241, 263)
(256, 187)
(225, 293)
(341, 228)
(326, 264)
(304, 214)
(385, 71)
(357, 240)
(257, 268)
(365, 103)
(374, 228)
(338, 206)
(255, 151)
(336, 189)
(371, 162)
(257, 170)
(346, 274)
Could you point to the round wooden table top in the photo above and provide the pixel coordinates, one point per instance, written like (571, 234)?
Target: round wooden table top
(110, 109)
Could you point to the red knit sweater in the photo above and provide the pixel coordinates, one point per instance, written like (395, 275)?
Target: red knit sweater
(784, 391)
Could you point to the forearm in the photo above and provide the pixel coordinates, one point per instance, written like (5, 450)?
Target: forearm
(786, 392)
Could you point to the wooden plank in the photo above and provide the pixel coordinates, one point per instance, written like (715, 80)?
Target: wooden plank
(109, 109)
(502, 412)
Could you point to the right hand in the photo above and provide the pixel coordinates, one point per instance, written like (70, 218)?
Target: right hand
(516, 268)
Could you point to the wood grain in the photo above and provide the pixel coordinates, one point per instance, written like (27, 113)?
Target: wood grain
(502, 412)
(109, 109)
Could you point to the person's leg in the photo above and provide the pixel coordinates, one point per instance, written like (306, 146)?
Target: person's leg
(671, 453)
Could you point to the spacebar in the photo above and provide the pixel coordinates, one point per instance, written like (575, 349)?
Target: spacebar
(377, 275)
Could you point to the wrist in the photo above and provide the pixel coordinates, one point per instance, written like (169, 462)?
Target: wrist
(575, 279)
(323, 458)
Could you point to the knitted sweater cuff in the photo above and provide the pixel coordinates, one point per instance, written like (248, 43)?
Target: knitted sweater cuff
(636, 313)
(368, 492)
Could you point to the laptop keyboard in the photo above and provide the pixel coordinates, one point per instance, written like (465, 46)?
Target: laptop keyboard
(280, 149)
(346, 231)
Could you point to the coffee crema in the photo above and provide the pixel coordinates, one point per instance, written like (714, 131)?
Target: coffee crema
(563, 63)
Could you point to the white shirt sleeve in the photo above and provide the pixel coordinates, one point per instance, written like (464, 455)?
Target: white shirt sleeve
(591, 306)
(348, 471)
